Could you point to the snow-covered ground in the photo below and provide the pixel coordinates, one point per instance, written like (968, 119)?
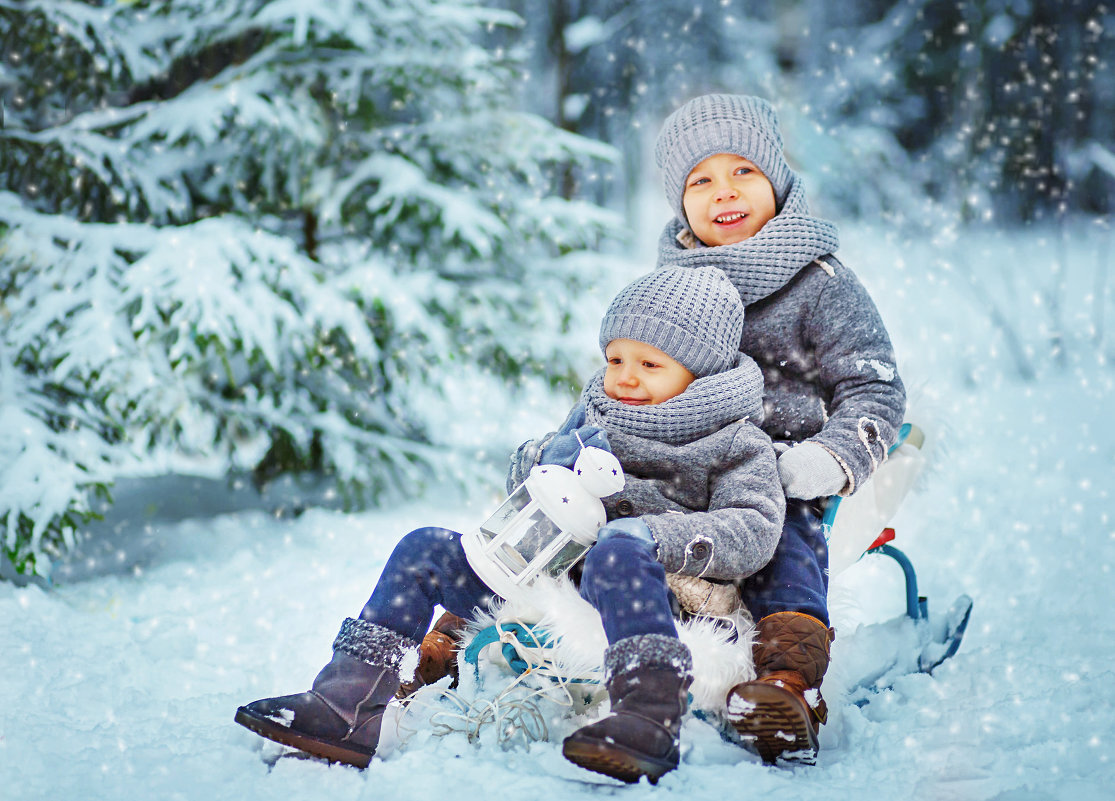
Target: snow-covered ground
(123, 683)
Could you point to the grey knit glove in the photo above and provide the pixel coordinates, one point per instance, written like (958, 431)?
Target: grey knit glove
(522, 460)
(562, 447)
(809, 471)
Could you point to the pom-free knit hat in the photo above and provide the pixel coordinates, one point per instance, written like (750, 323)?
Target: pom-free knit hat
(692, 314)
(711, 124)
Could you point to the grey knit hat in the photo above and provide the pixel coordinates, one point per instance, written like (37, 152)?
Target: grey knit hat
(692, 314)
(711, 124)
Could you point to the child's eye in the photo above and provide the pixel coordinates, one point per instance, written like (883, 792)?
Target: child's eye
(614, 360)
(650, 365)
(697, 181)
(742, 170)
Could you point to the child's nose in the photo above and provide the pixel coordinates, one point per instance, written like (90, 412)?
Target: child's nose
(726, 192)
(627, 377)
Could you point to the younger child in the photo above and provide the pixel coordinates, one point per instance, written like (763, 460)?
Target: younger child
(831, 388)
(702, 498)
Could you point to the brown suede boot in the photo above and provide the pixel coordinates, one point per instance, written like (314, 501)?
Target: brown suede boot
(437, 654)
(778, 715)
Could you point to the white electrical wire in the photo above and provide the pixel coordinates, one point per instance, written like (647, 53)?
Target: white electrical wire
(515, 711)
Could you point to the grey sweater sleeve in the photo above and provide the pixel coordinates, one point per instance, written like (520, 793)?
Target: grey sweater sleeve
(867, 399)
(738, 534)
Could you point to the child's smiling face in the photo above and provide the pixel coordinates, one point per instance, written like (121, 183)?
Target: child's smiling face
(727, 199)
(639, 374)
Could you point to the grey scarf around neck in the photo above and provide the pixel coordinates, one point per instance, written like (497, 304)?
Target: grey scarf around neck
(707, 405)
(761, 264)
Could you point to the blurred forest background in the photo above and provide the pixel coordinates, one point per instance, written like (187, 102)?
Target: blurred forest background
(996, 109)
(278, 236)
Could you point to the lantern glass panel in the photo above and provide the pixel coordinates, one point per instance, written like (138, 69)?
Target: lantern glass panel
(515, 503)
(517, 547)
(537, 533)
(565, 558)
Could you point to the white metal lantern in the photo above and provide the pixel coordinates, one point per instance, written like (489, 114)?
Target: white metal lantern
(545, 525)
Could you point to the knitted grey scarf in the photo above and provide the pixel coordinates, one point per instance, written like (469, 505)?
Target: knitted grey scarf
(707, 405)
(763, 263)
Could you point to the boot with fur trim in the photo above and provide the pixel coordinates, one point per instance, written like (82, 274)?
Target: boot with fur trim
(778, 715)
(339, 718)
(648, 678)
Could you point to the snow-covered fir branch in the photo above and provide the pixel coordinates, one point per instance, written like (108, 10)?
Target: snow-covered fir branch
(258, 232)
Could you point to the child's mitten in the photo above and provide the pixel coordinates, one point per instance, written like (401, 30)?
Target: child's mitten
(563, 449)
(631, 527)
(809, 471)
(560, 448)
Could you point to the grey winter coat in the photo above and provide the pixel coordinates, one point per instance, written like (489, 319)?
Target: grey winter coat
(715, 506)
(829, 368)
(827, 361)
(714, 503)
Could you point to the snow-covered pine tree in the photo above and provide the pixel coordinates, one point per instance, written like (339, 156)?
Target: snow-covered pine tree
(259, 230)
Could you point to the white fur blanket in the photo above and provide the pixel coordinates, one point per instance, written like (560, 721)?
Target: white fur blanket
(721, 653)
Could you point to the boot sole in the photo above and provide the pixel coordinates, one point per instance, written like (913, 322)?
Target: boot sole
(776, 727)
(614, 760)
(326, 749)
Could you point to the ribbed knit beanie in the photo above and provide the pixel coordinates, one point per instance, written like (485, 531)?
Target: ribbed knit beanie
(692, 314)
(711, 124)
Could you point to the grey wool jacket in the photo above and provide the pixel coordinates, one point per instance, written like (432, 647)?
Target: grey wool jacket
(828, 364)
(714, 503)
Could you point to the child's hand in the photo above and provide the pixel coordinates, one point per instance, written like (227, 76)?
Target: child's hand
(809, 471)
(630, 527)
(564, 448)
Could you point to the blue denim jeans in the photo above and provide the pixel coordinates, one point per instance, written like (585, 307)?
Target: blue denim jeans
(428, 567)
(796, 577)
(626, 584)
(621, 579)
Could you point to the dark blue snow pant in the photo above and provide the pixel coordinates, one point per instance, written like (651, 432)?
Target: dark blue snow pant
(621, 579)
(627, 586)
(796, 577)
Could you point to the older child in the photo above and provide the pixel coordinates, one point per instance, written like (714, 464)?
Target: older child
(702, 498)
(831, 387)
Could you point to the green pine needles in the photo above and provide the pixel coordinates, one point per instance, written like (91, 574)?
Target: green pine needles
(258, 231)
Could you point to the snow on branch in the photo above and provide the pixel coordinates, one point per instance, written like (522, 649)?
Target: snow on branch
(259, 232)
